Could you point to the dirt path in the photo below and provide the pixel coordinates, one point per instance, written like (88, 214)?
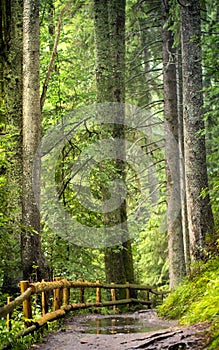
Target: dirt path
(169, 336)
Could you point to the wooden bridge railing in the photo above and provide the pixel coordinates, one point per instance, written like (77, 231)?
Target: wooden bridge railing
(61, 305)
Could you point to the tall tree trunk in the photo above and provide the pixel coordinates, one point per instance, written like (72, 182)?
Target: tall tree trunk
(182, 163)
(33, 261)
(200, 216)
(110, 51)
(146, 56)
(11, 93)
(101, 25)
(174, 218)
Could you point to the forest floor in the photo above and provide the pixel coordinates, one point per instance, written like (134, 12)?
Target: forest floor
(159, 334)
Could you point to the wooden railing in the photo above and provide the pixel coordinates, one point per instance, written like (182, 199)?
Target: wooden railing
(61, 305)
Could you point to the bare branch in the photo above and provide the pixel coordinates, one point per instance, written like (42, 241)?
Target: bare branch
(52, 59)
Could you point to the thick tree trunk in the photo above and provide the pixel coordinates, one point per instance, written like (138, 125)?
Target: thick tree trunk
(117, 39)
(110, 51)
(174, 218)
(11, 93)
(33, 261)
(200, 216)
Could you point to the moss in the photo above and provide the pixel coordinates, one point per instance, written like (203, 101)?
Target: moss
(214, 341)
(197, 299)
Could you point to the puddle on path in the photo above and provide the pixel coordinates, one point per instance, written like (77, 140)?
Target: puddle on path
(109, 325)
(106, 332)
(113, 324)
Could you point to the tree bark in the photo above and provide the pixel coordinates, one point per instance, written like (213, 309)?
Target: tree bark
(11, 93)
(33, 261)
(146, 56)
(110, 59)
(185, 227)
(174, 218)
(200, 216)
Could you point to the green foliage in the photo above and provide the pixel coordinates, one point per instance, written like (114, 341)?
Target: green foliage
(214, 341)
(197, 299)
(151, 251)
(71, 86)
(8, 242)
(17, 325)
(72, 82)
(7, 336)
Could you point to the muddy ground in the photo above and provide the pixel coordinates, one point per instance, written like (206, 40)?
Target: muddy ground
(160, 335)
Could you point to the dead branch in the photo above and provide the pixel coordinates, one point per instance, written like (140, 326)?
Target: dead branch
(52, 59)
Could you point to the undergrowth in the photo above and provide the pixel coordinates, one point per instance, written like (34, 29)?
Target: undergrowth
(10, 336)
(197, 299)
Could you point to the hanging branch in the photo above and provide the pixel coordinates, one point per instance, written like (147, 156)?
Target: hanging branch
(52, 59)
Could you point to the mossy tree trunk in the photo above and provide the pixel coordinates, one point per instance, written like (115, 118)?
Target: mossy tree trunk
(200, 216)
(11, 109)
(174, 217)
(110, 76)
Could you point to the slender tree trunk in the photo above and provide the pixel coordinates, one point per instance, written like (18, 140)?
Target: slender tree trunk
(146, 56)
(11, 93)
(33, 261)
(174, 218)
(200, 216)
(101, 24)
(182, 163)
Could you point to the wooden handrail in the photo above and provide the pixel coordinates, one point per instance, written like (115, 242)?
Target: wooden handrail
(7, 309)
(40, 287)
(61, 298)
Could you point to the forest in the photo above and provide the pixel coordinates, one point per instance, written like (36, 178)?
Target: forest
(109, 148)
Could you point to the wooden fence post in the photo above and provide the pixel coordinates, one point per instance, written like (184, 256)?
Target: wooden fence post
(57, 296)
(45, 304)
(27, 309)
(98, 294)
(8, 323)
(82, 293)
(98, 326)
(128, 292)
(66, 296)
(113, 296)
(148, 297)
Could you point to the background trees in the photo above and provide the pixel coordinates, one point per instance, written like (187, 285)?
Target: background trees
(140, 74)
